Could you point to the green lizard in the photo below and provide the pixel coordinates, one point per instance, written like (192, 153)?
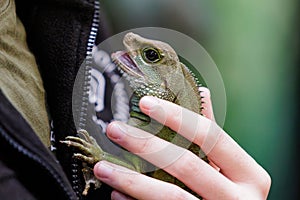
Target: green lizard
(151, 68)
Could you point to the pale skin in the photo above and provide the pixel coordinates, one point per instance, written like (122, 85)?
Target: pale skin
(232, 173)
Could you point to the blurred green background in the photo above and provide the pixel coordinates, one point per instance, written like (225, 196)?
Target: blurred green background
(254, 46)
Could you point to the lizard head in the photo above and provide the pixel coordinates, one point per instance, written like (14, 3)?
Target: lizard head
(150, 66)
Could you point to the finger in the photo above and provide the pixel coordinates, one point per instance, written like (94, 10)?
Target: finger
(179, 162)
(234, 162)
(137, 185)
(207, 109)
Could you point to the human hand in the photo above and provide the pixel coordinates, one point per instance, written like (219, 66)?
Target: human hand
(232, 173)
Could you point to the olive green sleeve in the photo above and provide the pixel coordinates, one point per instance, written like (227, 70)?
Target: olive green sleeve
(20, 79)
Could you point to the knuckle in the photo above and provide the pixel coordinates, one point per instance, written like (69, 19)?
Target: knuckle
(258, 188)
(174, 116)
(144, 147)
(187, 165)
(264, 183)
(211, 135)
(220, 137)
(175, 193)
(129, 184)
(238, 194)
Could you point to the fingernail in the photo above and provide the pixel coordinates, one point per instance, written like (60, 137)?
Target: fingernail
(102, 170)
(149, 102)
(115, 195)
(116, 130)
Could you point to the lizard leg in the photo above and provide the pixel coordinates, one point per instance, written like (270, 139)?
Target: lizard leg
(90, 179)
(90, 151)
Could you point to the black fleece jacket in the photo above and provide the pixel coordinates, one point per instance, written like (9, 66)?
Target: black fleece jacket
(57, 34)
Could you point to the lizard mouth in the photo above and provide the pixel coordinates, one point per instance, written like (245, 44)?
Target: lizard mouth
(127, 65)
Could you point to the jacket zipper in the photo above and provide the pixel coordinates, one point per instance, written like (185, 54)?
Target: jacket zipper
(86, 87)
(88, 64)
(33, 156)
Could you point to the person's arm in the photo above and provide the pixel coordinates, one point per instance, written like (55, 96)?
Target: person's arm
(232, 173)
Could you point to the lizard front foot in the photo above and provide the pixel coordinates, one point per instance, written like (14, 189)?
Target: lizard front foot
(89, 153)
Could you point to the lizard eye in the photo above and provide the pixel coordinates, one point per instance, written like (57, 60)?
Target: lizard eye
(151, 55)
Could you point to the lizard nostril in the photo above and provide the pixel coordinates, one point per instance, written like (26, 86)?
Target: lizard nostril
(130, 35)
(130, 38)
